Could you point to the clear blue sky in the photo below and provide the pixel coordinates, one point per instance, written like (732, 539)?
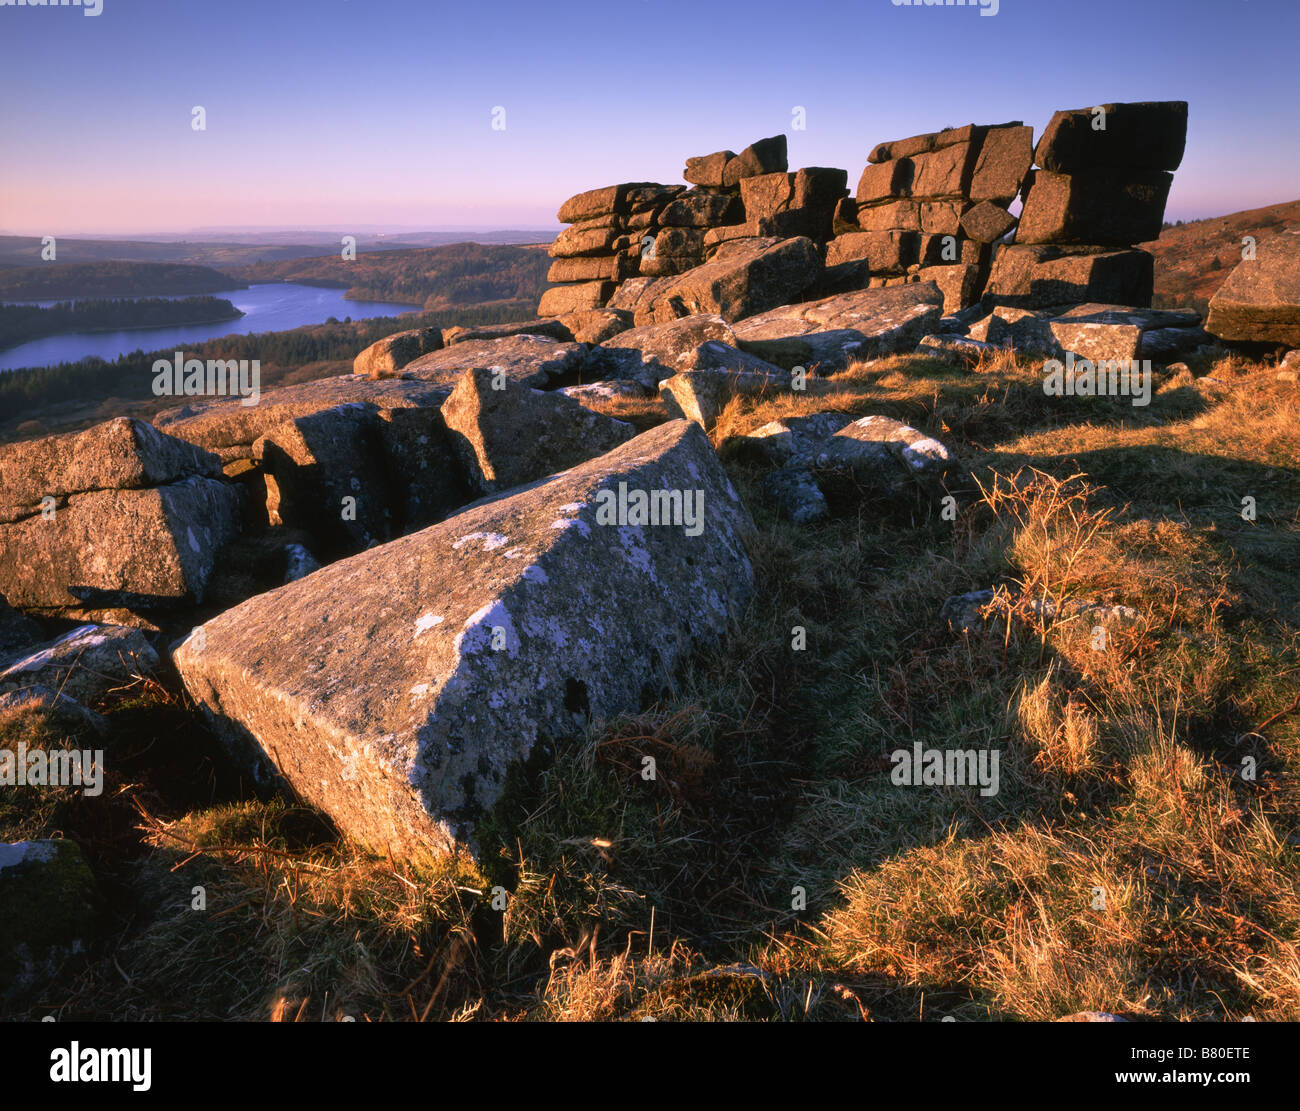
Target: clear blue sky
(362, 112)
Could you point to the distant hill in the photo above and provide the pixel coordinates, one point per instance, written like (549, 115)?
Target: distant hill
(61, 280)
(1194, 259)
(224, 247)
(432, 277)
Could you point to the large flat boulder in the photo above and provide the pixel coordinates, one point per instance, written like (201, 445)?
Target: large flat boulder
(744, 277)
(653, 352)
(1149, 135)
(1260, 301)
(507, 433)
(228, 428)
(395, 689)
(1037, 276)
(537, 361)
(862, 324)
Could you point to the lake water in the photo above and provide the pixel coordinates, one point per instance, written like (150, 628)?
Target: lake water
(268, 307)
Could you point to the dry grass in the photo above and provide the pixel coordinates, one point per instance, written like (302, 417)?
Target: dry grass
(1139, 857)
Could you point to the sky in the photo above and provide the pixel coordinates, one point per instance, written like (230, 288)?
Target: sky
(380, 112)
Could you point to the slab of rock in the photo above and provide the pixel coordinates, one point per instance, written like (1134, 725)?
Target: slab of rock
(796, 495)
(48, 911)
(606, 201)
(582, 240)
(610, 390)
(513, 434)
(1149, 135)
(701, 210)
(960, 284)
(1004, 158)
(987, 222)
(121, 454)
(551, 327)
(791, 439)
(1260, 301)
(387, 356)
(766, 156)
(596, 325)
(701, 395)
(602, 268)
(653, 352)
(707, 169)
(956, 349)
(743, 278)
(942, 217)
(884, 322)
(923, 144)
(229, 429)
(1094, 206)
(1036, 276)
(533, 360)
(395, 690)
(135, 548)
(578, 297)
(886, 252)
(1168, 345)
(83, 664)
(893, 216)
(886, 456)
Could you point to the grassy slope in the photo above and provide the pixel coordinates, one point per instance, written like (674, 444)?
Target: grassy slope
(1120, 770)
(1192, 261)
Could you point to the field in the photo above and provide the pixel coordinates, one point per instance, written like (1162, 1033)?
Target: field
(1140, 855)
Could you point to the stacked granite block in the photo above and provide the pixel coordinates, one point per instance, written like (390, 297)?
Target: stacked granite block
(928, 208)
(1103, 179)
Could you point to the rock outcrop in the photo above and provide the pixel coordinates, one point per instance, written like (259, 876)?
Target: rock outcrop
(118, 515)
(395, 689)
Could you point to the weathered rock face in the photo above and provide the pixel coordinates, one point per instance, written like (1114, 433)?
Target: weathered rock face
(536, 361)
(742, 278)
(987, 222)
(387, 356)
(864, 324)
(581, 297)
(597, 325)
(48, 910)
(1094, 206)
(229, 429)
(1134, 137)
(420, 465)
(1028, 276)
(84, 663)
(121, 454)
(323, 475)
(1260, 301)
(109, 537)
(395, 689)
(513, 434)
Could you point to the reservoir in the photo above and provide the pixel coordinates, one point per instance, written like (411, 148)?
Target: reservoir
(267, 307)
